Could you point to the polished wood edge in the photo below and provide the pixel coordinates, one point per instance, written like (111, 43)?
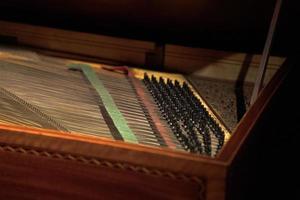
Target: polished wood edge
(246, 124)
(81, 37)
(100, 141)
(101, 163)
(105, 149)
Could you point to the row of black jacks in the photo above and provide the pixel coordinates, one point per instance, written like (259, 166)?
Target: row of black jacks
(189, 120)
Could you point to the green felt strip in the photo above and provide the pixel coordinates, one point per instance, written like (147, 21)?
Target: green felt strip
(108, 102)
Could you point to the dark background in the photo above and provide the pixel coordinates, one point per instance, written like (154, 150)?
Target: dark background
(234, 25)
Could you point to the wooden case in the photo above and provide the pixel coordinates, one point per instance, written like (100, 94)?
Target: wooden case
(47, 164)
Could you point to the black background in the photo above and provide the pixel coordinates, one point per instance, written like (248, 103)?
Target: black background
(232, 25)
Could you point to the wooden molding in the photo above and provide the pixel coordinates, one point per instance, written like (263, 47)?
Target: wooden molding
(85, 44)
(217, 64)
(113, 50)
